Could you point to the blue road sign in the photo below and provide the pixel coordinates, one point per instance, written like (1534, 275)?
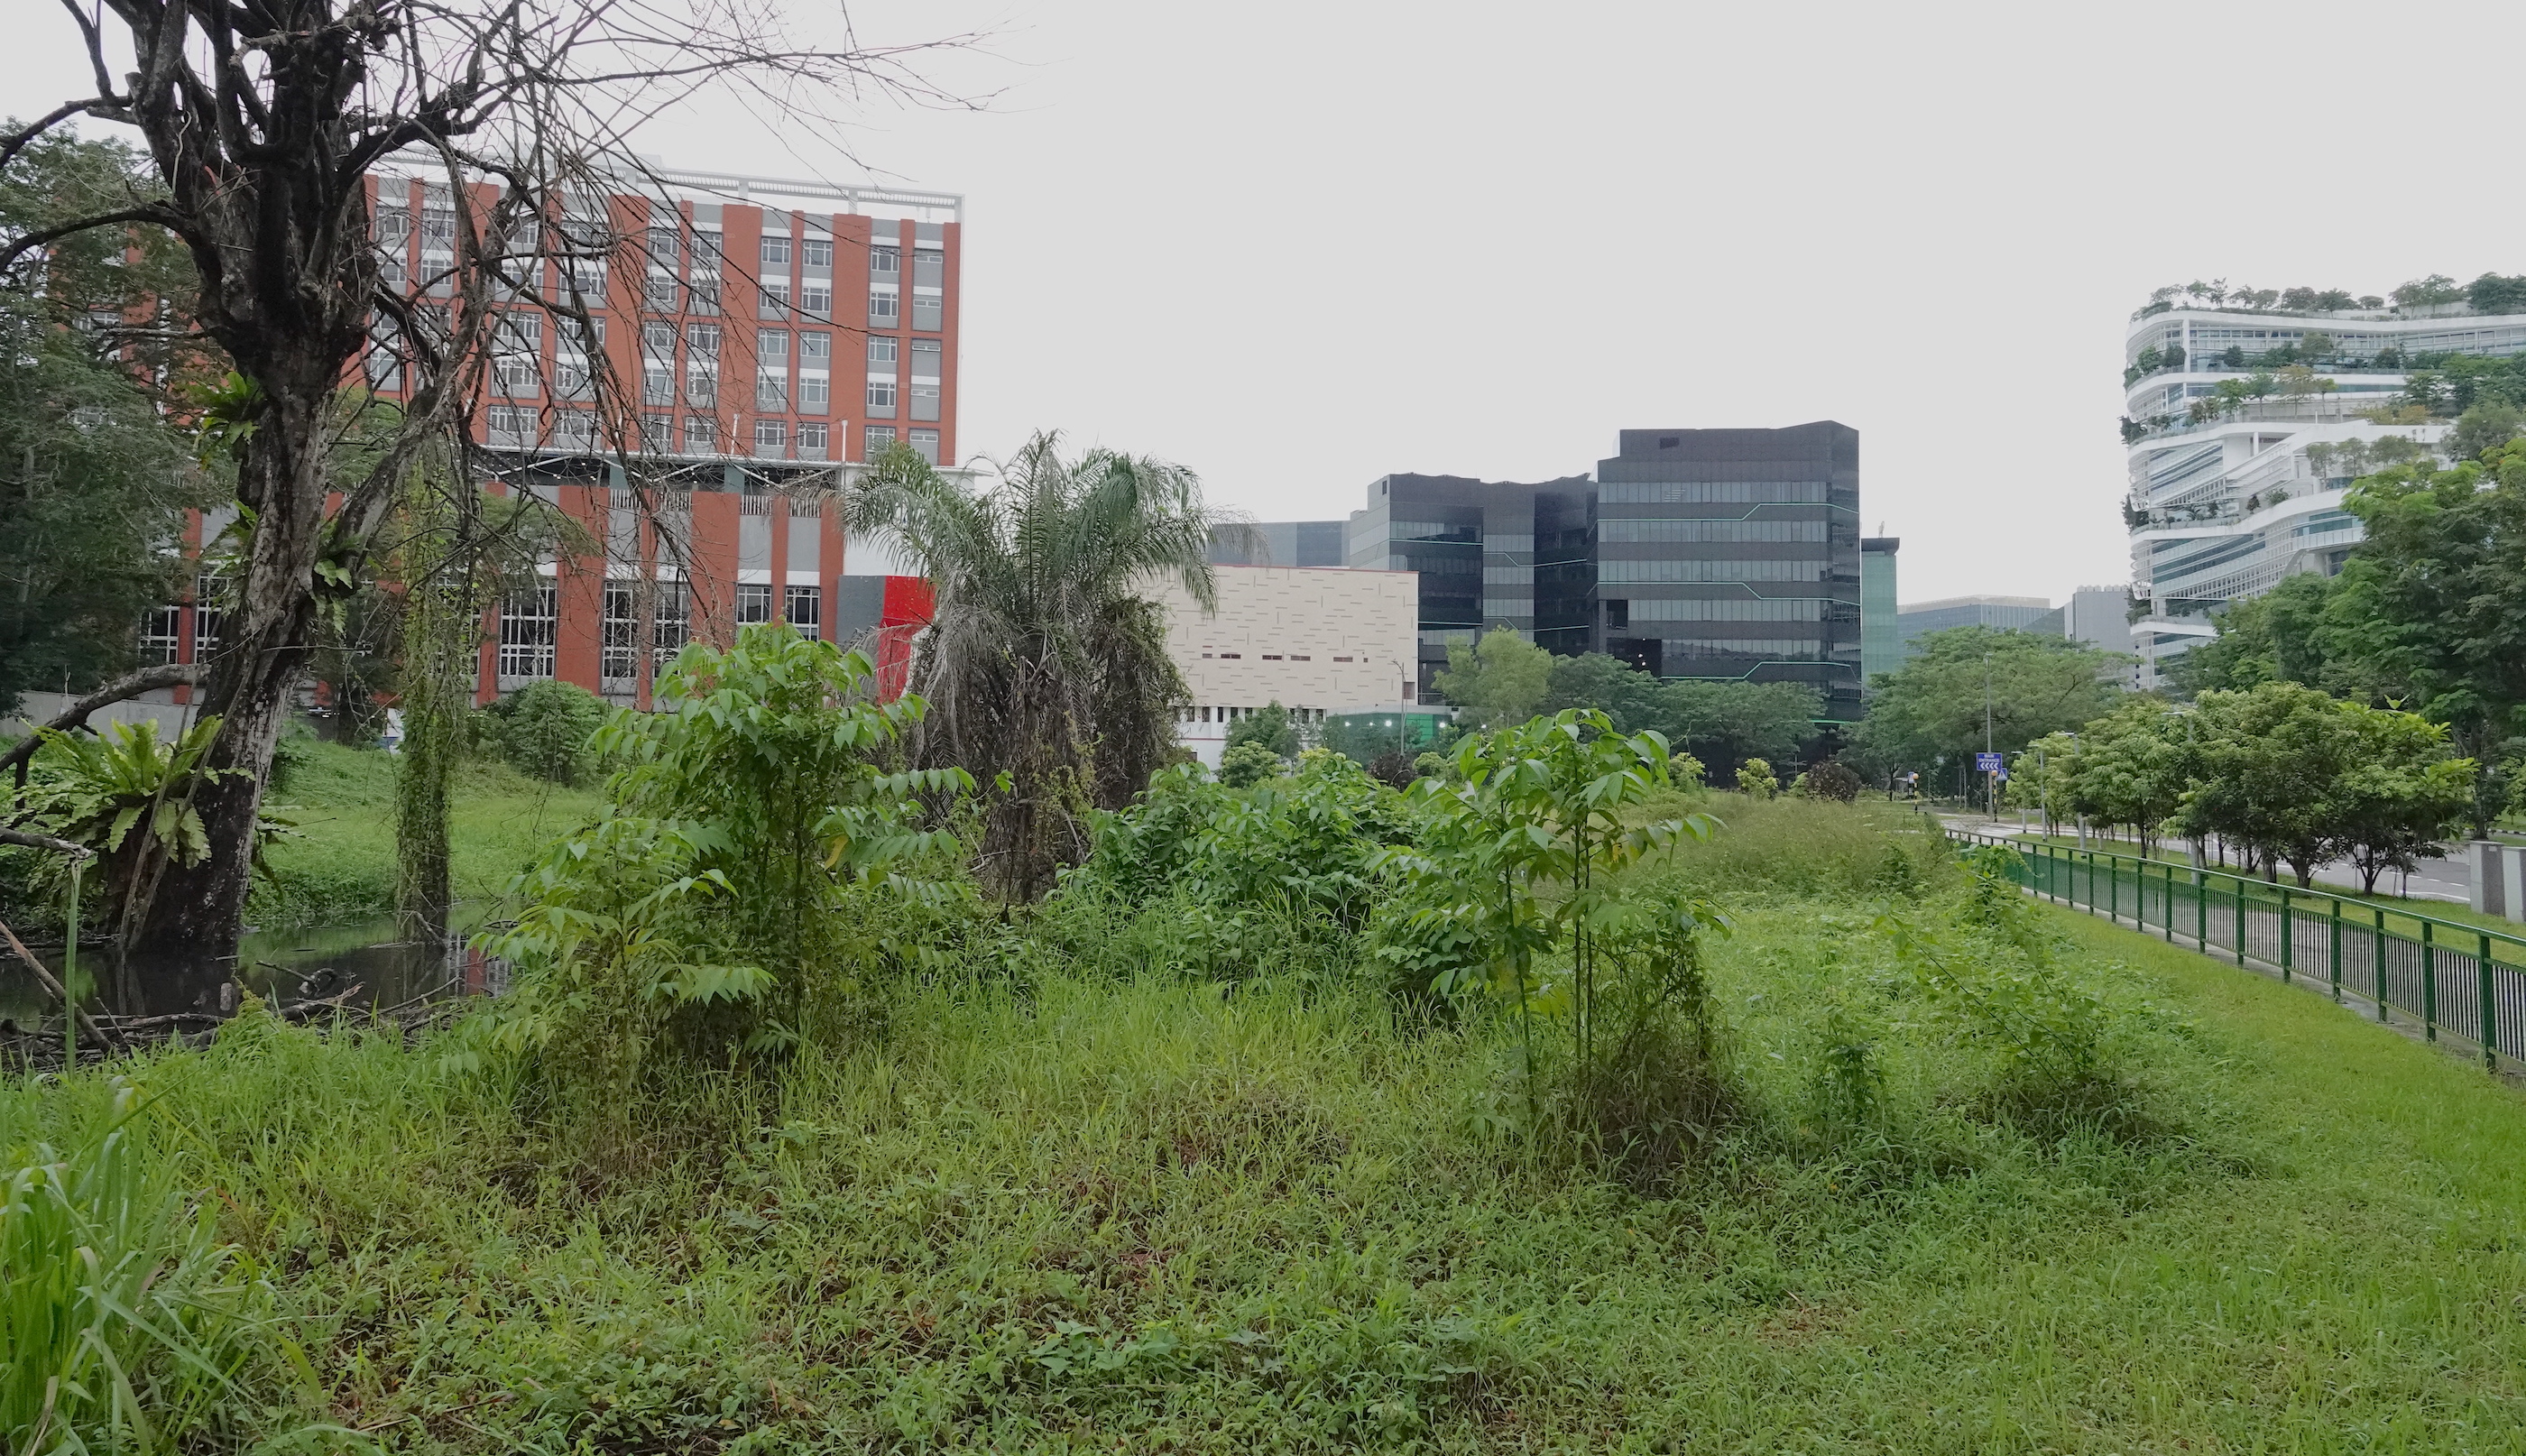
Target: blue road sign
(1986, 763)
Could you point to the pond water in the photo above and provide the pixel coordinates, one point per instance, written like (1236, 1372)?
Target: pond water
(281, 965)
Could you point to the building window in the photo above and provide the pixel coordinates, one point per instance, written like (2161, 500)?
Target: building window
(510, 428)
(701, 364)
(776, 250)
(658, 293)
(881, 310)
(884, 260)
(882, 355)
(925, 401)
(530, 622)
(925, 356)
(670, 623)
(818, 252)
(657, 433)
(776, 298)
(925, 443)
(874, 439)
(395, 243)
(571, 350)
(815, 377)
(799, 608)
(574, 430)
(701, 434)
(518, 355)
(815, 299)
(753, 603)
(161, 631)
(616, 660)
(207, 618)
(657, 363)
(928, 268)
(771, 439)
(881, 396)
(811, 441)
(928, 312)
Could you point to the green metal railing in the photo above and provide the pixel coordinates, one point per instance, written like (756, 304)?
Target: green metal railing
(2450, 978)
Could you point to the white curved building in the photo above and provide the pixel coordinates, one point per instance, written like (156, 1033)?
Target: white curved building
(2223, 503)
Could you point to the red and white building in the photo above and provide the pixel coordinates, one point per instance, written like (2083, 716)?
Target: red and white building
(775, 335)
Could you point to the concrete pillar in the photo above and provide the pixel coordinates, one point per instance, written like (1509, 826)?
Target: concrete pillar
(2489, 892)
(2512, 880)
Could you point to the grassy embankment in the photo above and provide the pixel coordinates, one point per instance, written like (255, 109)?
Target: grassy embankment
(1082, 1210)
(340, 864)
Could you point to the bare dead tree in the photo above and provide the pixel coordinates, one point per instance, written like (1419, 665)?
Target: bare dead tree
(265, 119)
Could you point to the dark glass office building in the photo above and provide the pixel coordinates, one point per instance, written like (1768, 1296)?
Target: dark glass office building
(1286, 543)
(1474, 544)
(1729, 554)
(1733, 554)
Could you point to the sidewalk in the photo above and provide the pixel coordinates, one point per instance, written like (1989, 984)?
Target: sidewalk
(2449, 881)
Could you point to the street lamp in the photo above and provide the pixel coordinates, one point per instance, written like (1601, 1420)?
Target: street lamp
(1403, 704)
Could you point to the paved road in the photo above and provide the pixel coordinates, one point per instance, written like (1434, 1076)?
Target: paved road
(2449, 880)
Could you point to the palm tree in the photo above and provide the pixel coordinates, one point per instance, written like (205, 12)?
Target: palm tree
(1044, 667)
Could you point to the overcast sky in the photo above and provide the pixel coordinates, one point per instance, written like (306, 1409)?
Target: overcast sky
(1300, 246)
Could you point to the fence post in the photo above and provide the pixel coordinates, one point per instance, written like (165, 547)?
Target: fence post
(2490, 1007)
(2429, 983)
(2333, 950)
(2202, 909)
(2241, 920)
(2377, 944)
(2114, 892)
(2286, 936)
(2169, 906)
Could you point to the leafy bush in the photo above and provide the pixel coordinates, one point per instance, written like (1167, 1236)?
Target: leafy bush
(1830, 779)
(1245, 765)
(1755, 780)
(545, 729)
(1234, 870)
(739, 885)
(1511, 898)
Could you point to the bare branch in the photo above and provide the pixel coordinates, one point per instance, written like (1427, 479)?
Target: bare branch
(18, 141)
(25, 243)
(130, 685)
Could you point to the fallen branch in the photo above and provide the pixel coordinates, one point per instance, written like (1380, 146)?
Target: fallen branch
(130, 685)
(46, 841)
(45, 978)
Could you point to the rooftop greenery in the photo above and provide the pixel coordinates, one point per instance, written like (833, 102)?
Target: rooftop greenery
(2491, 293)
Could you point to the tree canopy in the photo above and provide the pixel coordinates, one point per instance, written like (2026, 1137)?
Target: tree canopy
(1932, 711)
(94, 482)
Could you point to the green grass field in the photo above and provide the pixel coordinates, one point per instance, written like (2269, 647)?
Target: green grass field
(1074, 1212)
(340, 864)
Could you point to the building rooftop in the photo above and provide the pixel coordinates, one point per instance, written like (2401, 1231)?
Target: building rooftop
(2037, 603)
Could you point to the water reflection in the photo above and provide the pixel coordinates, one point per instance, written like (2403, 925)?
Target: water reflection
(364, 959)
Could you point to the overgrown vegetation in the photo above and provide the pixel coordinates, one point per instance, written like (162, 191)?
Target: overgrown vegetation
(1529, 1108)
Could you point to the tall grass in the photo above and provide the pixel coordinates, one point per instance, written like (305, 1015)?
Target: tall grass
(124, 1322)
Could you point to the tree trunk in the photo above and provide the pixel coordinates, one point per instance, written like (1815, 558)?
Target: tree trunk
(197, 911)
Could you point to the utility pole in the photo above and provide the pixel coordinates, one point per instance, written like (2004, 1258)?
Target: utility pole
(1991, 777)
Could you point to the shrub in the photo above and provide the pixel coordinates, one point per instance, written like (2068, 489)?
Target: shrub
(1245, 765)
(736, 895)
(1830, 779)
(1755, 780)
(545, 729)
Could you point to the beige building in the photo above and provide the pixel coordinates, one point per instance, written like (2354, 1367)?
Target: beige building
(1317, 641)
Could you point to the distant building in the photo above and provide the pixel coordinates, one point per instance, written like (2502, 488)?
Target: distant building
(2245, 425)
(1318, 640)
(1721, 553)
(1474, 547)
(1999, 613)
(1289, 543)
(1881, 640)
